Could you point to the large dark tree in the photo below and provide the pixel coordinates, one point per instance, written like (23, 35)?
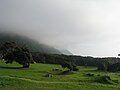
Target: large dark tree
(10, 52)
(69, 65)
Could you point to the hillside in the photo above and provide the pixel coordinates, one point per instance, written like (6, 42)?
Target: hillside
(33, 45)
(34, 78)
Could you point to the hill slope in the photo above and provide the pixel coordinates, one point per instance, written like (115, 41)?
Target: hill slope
(27, 42)
(34, 78)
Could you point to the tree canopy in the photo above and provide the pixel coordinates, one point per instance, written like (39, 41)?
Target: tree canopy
(10, 52)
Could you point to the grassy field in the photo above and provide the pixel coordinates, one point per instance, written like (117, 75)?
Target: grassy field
(34, 78)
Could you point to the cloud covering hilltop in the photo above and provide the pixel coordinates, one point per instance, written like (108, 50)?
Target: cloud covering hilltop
(85, 27)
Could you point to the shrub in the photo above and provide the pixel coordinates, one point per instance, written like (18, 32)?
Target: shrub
(104, 79)
(75, 69)
(69, 65)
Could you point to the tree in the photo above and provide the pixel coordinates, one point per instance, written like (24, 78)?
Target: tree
(75, 67)
(10, 52)
(114, 67)
(70, 66)
(67, 65)
(103, 65)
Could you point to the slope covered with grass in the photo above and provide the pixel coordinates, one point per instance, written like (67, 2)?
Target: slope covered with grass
(34, 78)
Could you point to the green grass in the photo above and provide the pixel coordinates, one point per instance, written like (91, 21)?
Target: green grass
(33, 78)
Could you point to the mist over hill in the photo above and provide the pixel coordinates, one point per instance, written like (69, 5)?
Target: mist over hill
(33, 45)
(65, 51)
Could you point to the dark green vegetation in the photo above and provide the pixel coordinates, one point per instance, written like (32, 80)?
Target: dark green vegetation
(71, 66)
(104, 64)
(34, 78)
(107, 65)
(10, 52)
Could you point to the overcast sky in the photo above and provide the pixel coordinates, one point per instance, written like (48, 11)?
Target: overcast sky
(84, 27)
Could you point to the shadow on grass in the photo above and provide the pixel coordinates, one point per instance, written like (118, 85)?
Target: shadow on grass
(93, 70)
(40, 72)
(4, 67)
(67, 72)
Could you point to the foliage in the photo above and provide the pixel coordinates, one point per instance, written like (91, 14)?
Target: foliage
(114, 67)
(10, 52)
(77, 60)
(109, 66)
(67, 65)
(71, 66)
(105, 79)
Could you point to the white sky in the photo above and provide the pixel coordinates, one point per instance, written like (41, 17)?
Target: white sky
(85, 27)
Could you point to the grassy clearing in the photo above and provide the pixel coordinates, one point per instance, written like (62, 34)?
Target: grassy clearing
(33, 78)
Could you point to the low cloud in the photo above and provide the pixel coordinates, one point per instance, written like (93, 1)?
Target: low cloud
(85, 27)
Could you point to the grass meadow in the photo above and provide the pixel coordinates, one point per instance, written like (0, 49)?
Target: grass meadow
(34, 78)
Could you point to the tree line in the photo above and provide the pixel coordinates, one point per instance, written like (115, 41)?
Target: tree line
(104, 64)
(10, 52)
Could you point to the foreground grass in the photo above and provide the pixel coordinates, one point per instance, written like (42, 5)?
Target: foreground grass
(33, 78)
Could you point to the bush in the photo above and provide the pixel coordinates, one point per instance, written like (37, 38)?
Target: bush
(104, 79)
(70, 66)
(75, 69)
